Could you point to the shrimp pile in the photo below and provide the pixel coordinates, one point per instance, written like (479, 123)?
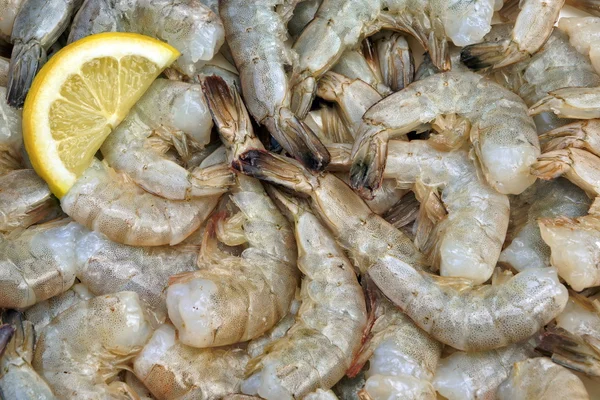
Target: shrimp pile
(304, 206)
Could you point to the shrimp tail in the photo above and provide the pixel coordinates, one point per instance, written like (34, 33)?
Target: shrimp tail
(571, 135)
(6, 334)
(369, 154)
(25, 61)
(298, 139)
(493, 54)
(569, 350)
(403, 212)
(276, 169)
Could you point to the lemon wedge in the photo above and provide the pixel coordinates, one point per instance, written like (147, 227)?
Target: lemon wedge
(81, 94)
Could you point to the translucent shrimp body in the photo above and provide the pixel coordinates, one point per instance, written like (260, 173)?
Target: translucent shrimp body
(539, 377)
(18, 379)
(452, 310)
(472, 376)
(233, 299)
(256, 34)
(341, 24)
(109, 202)
(37, 263)
(172, 370)
(320, 346)
(502, 134)
(9, 10)
(549, 199)
(171, 113)
(189, 26)
(402, 357)
(468, 241)
(84, 347)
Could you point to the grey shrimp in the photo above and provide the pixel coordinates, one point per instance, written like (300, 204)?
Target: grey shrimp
(556, 198)
(467, 241)
(37, 263)
(341, 24)
(172, 370)
(256, 34)
(189, 26)
(18, 379)
(532, 28)
(447, 308)
(502, 134)
(37, 25)
(320, 346)
(232, 299)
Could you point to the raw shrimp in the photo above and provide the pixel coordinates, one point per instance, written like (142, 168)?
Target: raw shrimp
(532, 28)
(502, 134)
(341, 24)
(321, 394)
(402, 357)
(41, 314)
(580, 134)
(18, 379)
(8, 10)
(394, 59)
(318, 349)
(539, 379)
(526, 248)
(169, 113)
(468, 240)
(172, 370)
(590, 6)
(11, 136)
(109, 202)
(25, 199)
(584, 33)
(354, 64)
(107, 267)
(449, 309)
(473, 376)
(579, 166)
(37, 263)
(37, 25)
(256, 34)
(574, 243)
(85, 347)
(189, 26)
(232, 299)
(303, 13)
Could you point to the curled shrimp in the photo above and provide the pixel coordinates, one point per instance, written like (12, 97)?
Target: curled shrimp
(18, 379)
(535, 378)
(189, 26)
(162, 117)
(402, 357)
(319, 347)
(42, 313)
(232, 299)
(171, 370)
(37, 263)
(471, 376)
(256, 35)
(37, 25)
(502, 134)
(341, 24)
(109, 202)
(574, 246)
(467, 241)
(86, 346)
(532, 28)
(551, 199)
(447, 308)
(579, 166)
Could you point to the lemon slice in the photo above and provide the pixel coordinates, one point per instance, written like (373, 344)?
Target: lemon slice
(81, 94)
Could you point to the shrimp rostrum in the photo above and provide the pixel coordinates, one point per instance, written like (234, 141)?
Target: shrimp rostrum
(452, 310)
(502, 134)
(232, 299)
